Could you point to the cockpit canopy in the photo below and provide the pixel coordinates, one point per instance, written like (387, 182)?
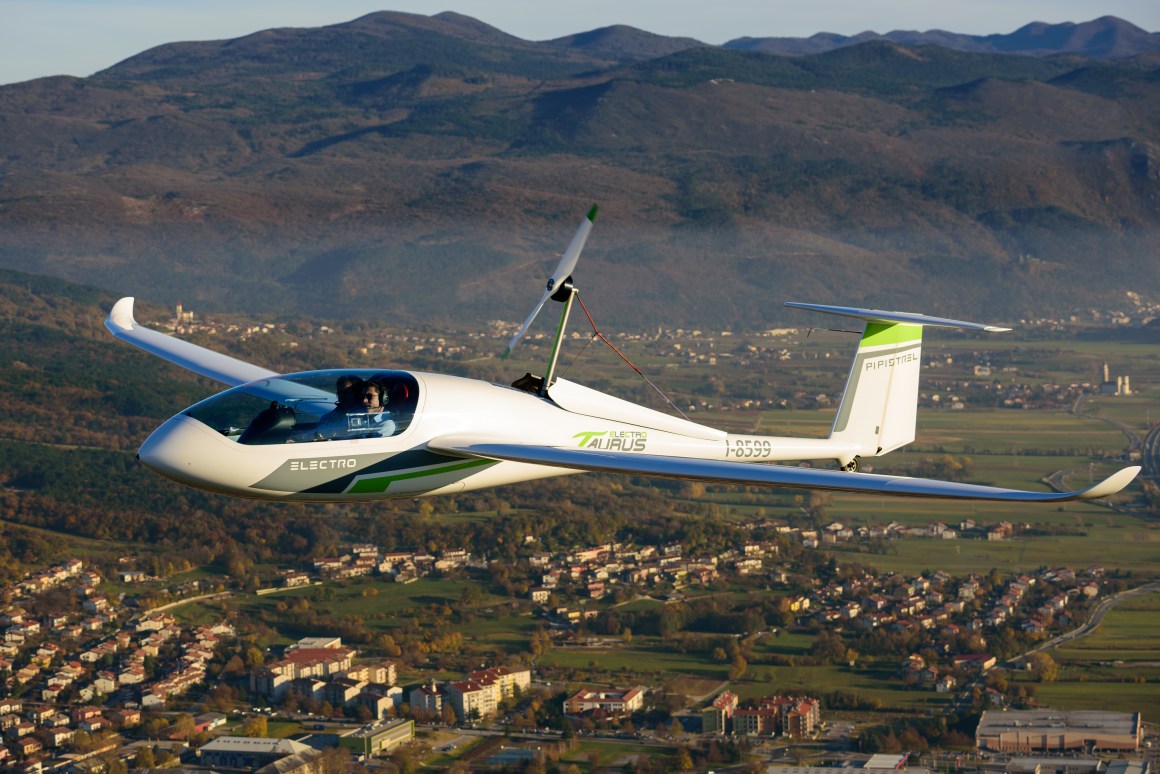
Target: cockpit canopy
(311, 406)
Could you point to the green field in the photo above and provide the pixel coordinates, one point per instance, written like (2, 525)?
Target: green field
(1130, 632)
(1131, 546)
(654, 658)
(590, 754)
(1115, 697)
(871, 682)
(356, 597)
(1014, 449)
(1116, 667)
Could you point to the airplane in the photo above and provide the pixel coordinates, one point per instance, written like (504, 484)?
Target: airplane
(297, 437)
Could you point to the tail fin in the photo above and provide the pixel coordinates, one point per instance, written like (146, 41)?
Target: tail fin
(880, 403)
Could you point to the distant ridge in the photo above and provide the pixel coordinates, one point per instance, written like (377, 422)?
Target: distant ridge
(426, 169)
(624, 43)
(1105, 38)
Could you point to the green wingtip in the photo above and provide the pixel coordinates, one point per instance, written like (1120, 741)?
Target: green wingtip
(506, 351)
(592, 212)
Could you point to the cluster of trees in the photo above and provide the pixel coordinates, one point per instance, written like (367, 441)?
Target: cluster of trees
(918, 734)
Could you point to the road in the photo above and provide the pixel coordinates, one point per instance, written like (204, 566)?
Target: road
(1150, 455)
(1148, 447)
(1134, 441)
(1087, 628)
(963, 699)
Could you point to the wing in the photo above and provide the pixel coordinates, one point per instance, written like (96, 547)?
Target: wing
(206, 362)
(728, 472)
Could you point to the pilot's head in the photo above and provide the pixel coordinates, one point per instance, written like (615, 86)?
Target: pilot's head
(373, 397)
(349, 390)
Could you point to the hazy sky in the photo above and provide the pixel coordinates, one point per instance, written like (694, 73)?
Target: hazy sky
(79, 37)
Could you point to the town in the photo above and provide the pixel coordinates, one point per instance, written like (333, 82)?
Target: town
(599, 623)
(105, 683)
(985, 378)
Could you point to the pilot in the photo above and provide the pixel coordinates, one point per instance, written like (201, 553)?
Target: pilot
(373, 398)
(348, 390)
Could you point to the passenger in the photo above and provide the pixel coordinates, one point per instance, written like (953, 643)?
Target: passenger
(348, 390)
(334, 424)
(373, 397)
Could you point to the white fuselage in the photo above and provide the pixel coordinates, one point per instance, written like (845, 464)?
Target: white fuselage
(190, 452)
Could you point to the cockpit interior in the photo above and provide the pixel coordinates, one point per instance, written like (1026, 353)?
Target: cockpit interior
(313, 406)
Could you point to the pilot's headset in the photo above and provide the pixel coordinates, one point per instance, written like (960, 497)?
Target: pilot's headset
(384, 395)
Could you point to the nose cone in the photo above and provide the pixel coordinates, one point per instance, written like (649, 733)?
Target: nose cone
(190, 453)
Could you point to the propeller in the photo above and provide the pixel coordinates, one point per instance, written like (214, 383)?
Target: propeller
(560, 276)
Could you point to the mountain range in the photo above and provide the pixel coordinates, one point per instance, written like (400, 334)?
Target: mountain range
(430, 168)
(1103, 38)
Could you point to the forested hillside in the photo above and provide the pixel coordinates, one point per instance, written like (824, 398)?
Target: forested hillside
(430, 168)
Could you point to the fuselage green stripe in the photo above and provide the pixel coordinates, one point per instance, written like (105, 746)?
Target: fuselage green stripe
(890, 333)
(379, 484)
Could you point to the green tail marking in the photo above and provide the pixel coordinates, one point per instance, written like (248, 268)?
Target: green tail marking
(876, 334)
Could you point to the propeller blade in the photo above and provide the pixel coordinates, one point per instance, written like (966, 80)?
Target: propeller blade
(572, 252)
(523, 328)
(563, 271)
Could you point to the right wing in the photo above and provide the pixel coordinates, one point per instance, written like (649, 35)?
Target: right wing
(730, 472)
(206, 362)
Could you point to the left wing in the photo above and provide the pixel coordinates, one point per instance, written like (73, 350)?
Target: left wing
(729, 472)
(206, 362)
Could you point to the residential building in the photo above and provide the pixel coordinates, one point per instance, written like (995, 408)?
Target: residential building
(273, 680)
(472, 700)
(615, 703)
(716, 717)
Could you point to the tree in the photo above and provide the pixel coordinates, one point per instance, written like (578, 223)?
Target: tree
(541, 643)
(406, 759)
(182, 726)
(254, 657)
(235, 668)
(470, 597)
(828, 647)
(447, 713)
(144, 758)
(255, 725)
(738, 667)
(1043, 667)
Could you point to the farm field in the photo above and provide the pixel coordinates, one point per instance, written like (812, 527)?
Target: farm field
(1129, 547)
(869, 682)
(655, 658)
(1114, 696)
(592, 754)
(1115, 667)
(1129, 633)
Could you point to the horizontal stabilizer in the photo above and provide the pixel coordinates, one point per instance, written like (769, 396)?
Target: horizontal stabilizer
(199, 360)
(907, 318)
(729, 472)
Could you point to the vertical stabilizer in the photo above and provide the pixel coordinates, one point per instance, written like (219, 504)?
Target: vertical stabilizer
(880, 404)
